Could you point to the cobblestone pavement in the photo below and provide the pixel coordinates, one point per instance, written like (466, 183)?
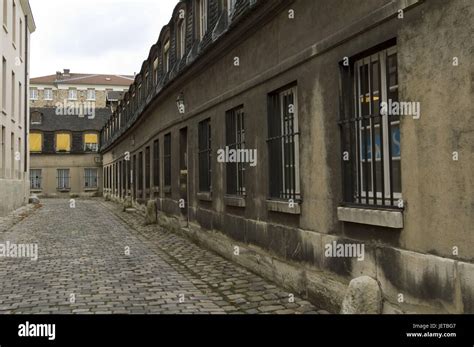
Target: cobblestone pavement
(83, 266)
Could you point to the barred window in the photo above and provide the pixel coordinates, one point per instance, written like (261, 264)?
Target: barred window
(91, 142)
(90, 178)
(167, 159)
(140, 176)
(147, 171)
(124, 177)
(35, 178)
(235, 139)
(283, 145)
(63, 179)
(133, 174)
(205, 155)
(156, 163)
(371, 138)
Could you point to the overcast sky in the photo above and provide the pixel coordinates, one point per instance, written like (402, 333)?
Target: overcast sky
(95, 36)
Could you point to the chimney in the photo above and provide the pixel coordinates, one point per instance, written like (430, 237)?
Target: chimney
(67, 72)
(58, 75)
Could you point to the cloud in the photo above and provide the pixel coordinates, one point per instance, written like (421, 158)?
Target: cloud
(95, 36)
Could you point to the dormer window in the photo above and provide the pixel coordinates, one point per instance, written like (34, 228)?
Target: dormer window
(63, 142)
(166, 56)
(36, 117)
(202, 18)
(181, 38)
(230, 7)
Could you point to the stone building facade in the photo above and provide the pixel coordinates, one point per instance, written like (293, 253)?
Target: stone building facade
(67, 87)
(68, 112)
(17, 26)
(359, 120)
(64, 153)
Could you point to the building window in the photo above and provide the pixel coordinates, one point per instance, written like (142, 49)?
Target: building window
(155, 71)
(140, 176)
(205, 155)
(21, 39)
(35, 178)
(156, 163)
(36, 117)
(20, 108)
(90, 178)
(4, 84)
(91, 142)
(33, 94)
(167, 159)
(283, 145)
(36, 142)
(63, 179)
(48, 94)
(166, 56)
(13, 91)
(63, 142)
(230, 7)
(13, 21)
(182, 38)
(371, 138)
(91, 94)
(5, 13)
(202, 20)
(72, 94)
(147, 171)
(3, 150)
(235, 139)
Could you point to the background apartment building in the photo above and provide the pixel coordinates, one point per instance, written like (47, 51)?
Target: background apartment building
(301, 82)
(17, 25)
(67, 112)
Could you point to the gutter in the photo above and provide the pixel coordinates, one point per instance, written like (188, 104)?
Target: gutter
(26, 122)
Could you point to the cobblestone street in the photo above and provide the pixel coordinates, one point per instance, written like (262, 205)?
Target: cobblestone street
(83, 267)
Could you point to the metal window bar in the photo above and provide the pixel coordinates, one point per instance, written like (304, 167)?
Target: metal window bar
(282, 140)
(147, 171)
(235, 140)
(156, 163)
(167, 160)
(205, 155)
(371, 177)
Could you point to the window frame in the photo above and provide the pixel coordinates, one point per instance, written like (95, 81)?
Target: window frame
(205, 155)
(85, 143)
(37, 179)
(70, 90)
(360, 183)
(88, 177)
(44, 93)
(56, 134)
(287, 183)
(63, 179)
(235, 139)
(40, 134)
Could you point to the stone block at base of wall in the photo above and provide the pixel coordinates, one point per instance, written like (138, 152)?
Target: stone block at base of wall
(427, 283)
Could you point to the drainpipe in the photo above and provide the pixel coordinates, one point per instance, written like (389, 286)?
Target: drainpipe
(26, 123)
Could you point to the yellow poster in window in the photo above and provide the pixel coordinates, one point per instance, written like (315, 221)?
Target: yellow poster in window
(91, 138)
(63, 142)
(35, 142)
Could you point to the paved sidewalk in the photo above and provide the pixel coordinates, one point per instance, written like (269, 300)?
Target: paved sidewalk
(95, 258)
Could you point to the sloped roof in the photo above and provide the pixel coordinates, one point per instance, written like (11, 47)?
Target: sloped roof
(52, 122)
(80, 78)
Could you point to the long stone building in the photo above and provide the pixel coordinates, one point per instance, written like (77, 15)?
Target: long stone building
(314, 142)
(17, 26)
